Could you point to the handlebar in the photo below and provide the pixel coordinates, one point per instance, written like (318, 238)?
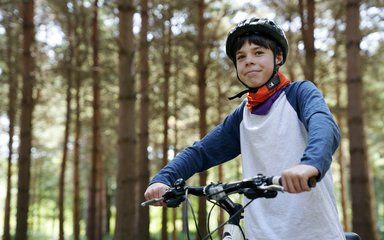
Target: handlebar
(255, 187)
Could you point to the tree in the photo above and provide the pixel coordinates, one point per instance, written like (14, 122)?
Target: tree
(11, 64)
(362, 195)
(96, 201)
(27, 104)
(125, 213)
(76, 161)
(175, 143)
(80, 34)
(68, 68)
(337, 11)
(143, 164)
(201, 78)
(167, 61)
(307, 17)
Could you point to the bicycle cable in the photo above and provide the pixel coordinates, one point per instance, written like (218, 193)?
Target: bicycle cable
(209, 217)
(234, 215)
(193, 214)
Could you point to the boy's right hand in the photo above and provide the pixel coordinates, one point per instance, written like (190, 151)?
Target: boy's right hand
(156, 190)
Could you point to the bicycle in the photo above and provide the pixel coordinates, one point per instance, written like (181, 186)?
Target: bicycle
(259, 186)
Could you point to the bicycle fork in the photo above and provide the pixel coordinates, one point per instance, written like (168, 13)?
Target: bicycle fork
(232, 231)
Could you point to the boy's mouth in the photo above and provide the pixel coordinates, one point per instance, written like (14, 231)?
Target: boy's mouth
(252, 72)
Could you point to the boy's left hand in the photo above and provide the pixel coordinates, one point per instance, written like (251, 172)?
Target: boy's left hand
(295, 179)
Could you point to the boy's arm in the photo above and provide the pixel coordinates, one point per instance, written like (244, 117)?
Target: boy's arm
(219, 145)
(323, 133)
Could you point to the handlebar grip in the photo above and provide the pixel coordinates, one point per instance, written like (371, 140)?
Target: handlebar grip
(312, 181)
(277, 180)
(151, 201)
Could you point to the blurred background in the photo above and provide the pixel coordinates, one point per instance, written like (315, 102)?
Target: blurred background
(96, 96)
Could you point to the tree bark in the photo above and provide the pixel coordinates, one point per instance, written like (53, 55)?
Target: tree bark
(362, 193)
(27, 104)
(125, 197)
(201, 72)
(176, 143)
(12, 103)
(80, 56)
(220, 169)
(68, 70)
(143, 163)
(308, 32)
(340, 156)
(64, 162)
(95, 207)
(167, 59)
(76, 164)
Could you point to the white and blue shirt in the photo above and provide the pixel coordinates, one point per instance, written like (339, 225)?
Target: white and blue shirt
(295, 127)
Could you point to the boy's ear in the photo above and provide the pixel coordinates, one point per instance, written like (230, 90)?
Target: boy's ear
(279, 59)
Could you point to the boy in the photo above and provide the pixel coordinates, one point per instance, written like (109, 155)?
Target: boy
(282, 128)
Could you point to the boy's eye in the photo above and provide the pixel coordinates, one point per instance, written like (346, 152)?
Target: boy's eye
(259, 52)
(240, 56)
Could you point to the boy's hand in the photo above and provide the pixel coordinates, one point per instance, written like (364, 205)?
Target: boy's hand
(295, 179)
(156, 190)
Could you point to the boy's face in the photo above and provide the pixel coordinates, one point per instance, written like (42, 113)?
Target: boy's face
(255, 64)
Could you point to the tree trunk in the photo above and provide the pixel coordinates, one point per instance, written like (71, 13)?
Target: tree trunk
(68, 70)
(12, 103)
(101, 201)
(94, 226)
(308, 31)
(125, 213)
(341, 158)
(109, 213)
(167, 58)
(362, 193)
(143, 164)
(220, 169)
(80, 38)
(24, 163)
(76, 163)
(293, 52)
(201, 69)
(175, 144)
(64, 162)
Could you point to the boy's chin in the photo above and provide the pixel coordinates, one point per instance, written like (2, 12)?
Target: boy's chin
(257, 85)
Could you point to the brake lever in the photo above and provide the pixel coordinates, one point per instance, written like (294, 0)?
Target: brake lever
(151, 201)
(271, 188)
(175, 195)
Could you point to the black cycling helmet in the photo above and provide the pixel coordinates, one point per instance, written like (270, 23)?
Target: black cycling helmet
(263, 26)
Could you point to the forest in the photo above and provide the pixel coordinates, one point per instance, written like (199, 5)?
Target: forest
(97, 95)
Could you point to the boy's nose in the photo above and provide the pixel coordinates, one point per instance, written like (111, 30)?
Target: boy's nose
(249, 60)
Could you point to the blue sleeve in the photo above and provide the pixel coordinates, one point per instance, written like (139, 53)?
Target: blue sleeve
(323, 133)
(218, 146)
